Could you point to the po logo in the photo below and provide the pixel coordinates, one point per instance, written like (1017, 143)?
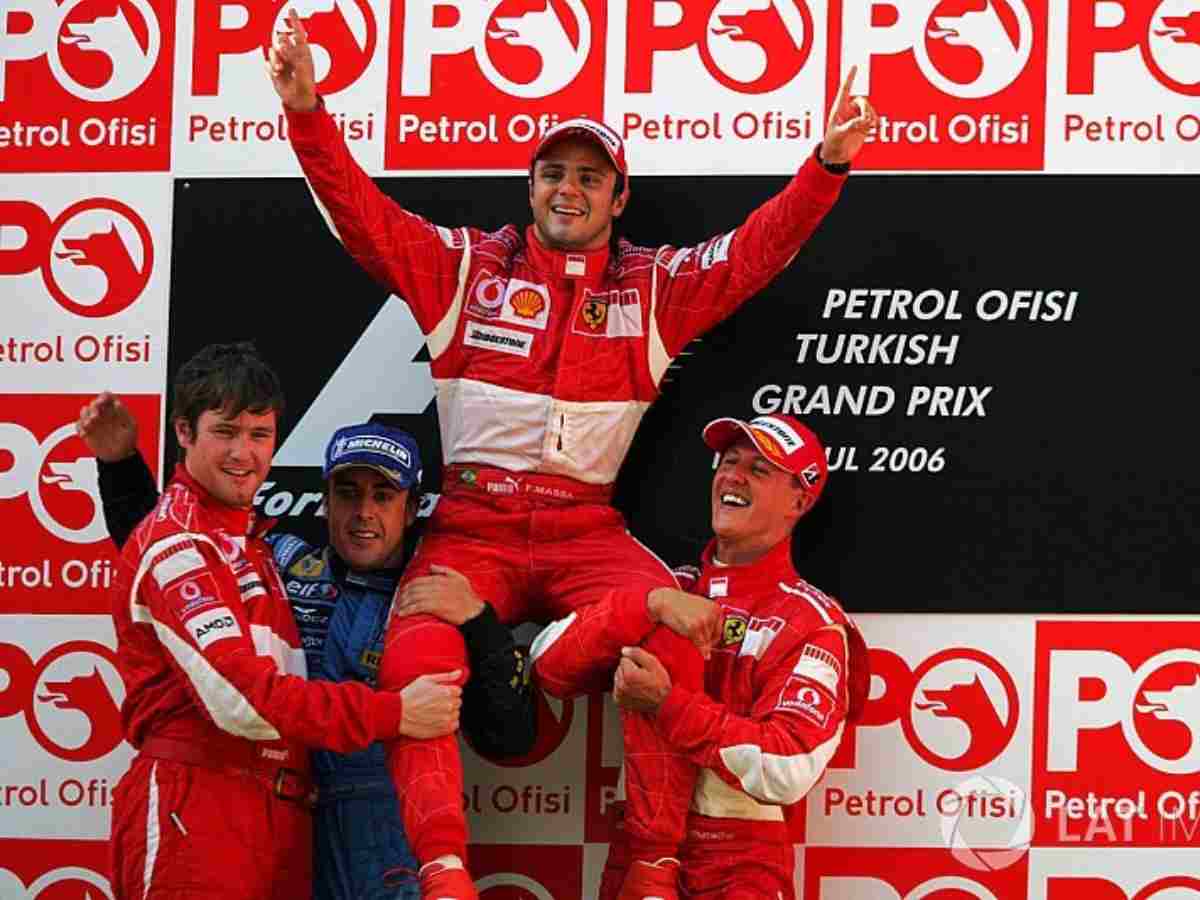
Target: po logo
(1173, 887)
(66, 883)
(96, 51)
(511, 886)
(754, 46)
(95, 258)
(965, 48)
(70, 699)
(342, 35)
(58, 477)
(975, 48)
(1157, 707)
(854, 888)
(526, 53)
(749, 46)
(1171, 49)
(958, 709)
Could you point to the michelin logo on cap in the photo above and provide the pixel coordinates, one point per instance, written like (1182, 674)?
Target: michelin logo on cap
(345, 446)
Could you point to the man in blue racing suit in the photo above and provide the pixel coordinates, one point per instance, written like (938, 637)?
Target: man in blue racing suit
(341, 596)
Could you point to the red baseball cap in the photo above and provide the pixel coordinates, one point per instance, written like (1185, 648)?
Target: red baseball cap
(783, 440)
(606, 137)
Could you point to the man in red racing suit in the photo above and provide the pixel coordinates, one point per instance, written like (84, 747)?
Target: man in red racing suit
(547, 346)
(790, 670)
(215, 804)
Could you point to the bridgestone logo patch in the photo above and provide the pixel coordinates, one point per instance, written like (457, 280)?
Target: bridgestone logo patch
(505, 340)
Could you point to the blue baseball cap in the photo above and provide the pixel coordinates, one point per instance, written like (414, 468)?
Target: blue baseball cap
(389, 451)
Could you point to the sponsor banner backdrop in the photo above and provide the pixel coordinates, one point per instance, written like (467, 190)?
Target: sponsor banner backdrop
(757, 72)
(893, 873)
(942, 750)
(535, 798)
(1123, 874)
(61, 725)
(84, 271)
(57, 556)
(1117, 750)
(85, 86)
(230, 121)
(476, 84)
(53, 869)
(958, 85)
(1122, 86)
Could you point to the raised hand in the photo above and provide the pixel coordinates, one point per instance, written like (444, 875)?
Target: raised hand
(108, 428)
(851, 119)
(290, 66)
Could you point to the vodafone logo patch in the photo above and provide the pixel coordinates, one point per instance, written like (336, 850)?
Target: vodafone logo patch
(488, 79)
(85, 85)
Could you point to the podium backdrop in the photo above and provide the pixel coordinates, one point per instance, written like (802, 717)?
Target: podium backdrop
(992, 331)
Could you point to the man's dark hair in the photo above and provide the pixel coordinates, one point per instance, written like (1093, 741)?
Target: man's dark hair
(232, 378)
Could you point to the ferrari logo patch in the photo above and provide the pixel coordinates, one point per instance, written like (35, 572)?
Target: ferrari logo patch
(594, 311)
(735, 630)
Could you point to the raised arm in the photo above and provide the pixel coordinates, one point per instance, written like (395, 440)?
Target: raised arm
(412, 257)
(127, 489)
(697, 287)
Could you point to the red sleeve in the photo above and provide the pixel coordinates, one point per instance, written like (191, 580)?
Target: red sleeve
(697, 287)
(186, 593)
(777, 753)
(417, 260)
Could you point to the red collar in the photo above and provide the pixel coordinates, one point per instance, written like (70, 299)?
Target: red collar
(766, 571)
(585, 264)
(228, 518)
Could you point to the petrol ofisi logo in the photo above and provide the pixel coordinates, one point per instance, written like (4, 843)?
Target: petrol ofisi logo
(85, 85)
(475, 85)
(960, 84)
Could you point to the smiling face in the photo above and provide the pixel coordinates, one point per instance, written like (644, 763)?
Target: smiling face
(571, 193)
(755, 504)
(229, 455)
(368, 516)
